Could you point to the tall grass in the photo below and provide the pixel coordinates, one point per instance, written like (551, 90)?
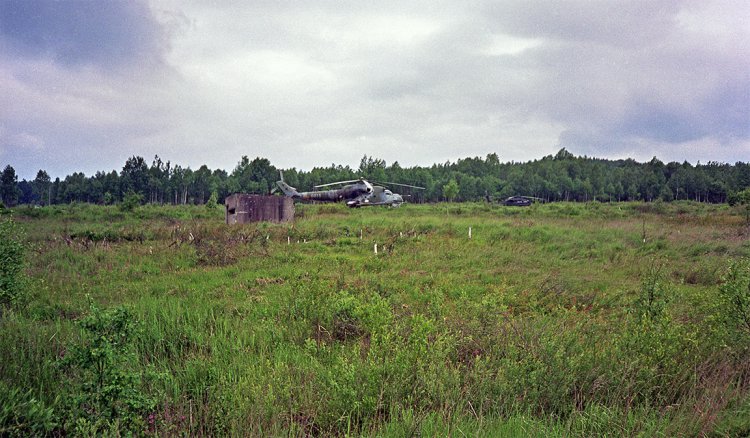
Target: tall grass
(550, 320)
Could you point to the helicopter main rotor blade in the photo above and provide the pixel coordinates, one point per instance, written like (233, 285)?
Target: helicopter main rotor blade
(398, 184)
(338, 182)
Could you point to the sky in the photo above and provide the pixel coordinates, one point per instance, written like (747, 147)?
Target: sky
(86, 84)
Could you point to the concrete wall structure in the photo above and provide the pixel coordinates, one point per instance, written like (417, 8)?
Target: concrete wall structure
(242, 208)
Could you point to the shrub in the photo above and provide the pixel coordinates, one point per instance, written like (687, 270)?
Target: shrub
(131, 201)
(654, 296)
(735, 292)
(11, 263)
(213, 201)
(107, 393)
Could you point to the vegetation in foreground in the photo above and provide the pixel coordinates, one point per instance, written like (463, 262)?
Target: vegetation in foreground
(560, 320)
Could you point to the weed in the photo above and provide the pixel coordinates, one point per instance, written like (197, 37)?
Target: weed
(23, 415)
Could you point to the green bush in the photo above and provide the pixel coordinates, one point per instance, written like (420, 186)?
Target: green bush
(11, 263)
(213, 201)
(654, 296)
(106, 392)
(131, 201)
(735, 293)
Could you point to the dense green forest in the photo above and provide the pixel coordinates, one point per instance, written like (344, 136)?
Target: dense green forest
(562, 177)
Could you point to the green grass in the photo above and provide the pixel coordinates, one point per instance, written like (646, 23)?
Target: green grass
(534, 326)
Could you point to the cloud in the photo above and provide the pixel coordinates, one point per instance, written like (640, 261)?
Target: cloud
(74, 33)
(616, 23)
(308, 84)
(87, 80)
(641, 74)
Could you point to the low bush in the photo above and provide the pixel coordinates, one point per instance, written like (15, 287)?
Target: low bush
(106, 392)
(131, 201)
(12, 289)
(735, 295)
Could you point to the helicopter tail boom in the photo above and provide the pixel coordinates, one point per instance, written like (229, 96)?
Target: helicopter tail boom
(286, 188)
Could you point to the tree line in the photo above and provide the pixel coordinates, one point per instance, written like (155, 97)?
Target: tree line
(562, 177)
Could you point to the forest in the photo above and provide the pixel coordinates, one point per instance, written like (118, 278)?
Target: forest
(562, 177)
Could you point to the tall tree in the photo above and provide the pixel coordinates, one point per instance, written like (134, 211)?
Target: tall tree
(372, 168)
(254, 176)
(202, 185)
(134, 176)
(26, 191)
(450, 190)
(111, 187)
(220, 179)
(8, 186)
(56, 191)
(158, 180)
(76, 188)
(96, 188)
(43, 187)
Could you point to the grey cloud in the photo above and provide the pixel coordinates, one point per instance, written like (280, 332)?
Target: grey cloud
(307, 84)
(106, 34)
(88, 80)
(622, 23)
(646, 80)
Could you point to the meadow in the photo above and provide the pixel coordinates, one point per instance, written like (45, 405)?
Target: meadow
(561, 319)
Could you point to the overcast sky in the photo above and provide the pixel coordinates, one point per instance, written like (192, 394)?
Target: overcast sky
(85, 85)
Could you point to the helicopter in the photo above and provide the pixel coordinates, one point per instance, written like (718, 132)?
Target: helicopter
(521, 201)
(356, 193)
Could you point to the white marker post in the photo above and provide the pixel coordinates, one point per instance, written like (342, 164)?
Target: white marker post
(376, 248)
(469, 232)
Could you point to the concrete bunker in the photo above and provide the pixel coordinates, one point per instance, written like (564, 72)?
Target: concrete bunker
(243, 208)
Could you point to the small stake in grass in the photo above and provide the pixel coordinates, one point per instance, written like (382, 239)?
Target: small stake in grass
(469, 232)
(376, 248)
(360, 234)
(288, 240)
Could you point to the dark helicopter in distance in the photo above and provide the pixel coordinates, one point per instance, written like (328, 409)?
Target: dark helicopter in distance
(521, 201)
(356, 193)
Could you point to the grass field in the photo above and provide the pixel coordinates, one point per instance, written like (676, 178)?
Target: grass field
(558, 320)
